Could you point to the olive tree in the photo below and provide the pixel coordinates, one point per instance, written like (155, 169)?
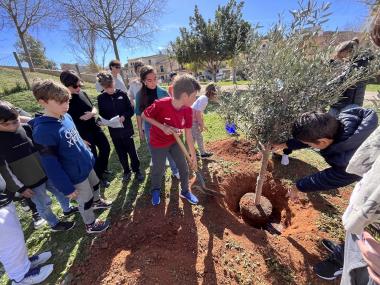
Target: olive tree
(289, 73)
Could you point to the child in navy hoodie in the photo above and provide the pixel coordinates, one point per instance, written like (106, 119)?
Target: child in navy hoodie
(66, 159)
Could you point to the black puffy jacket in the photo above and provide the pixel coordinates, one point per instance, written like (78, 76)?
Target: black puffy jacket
(355, 126)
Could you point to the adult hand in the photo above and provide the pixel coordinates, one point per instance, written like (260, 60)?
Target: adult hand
(370, 249)
(293, 194)
(87, 116)
(28, 193)
(73, 195)
(122, 119)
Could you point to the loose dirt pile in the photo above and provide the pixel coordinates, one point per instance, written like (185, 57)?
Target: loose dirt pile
(176, 243)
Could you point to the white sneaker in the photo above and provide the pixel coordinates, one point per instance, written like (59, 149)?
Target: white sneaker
(151, 163)
(39, 259)
(39, 223)
(36, 275)
(167, 162)
(176, 175)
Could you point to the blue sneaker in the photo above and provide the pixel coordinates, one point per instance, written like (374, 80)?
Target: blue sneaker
(156, 197)
(190, 197)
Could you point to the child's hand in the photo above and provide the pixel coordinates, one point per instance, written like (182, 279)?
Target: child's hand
(87, 143)
(142, 135)
(168, 130)
(293, 194)
(73, 195)
(194, 163)
(28, 193)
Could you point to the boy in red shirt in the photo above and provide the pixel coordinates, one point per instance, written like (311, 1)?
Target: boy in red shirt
(168, 116)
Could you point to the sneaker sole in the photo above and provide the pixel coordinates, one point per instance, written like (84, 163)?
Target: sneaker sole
(97, 232)
(159, 201)
(99, 208)
(55, 231)
(191, 202)
(45, 272)
(327, 248)
(36, 227)
(336, 275)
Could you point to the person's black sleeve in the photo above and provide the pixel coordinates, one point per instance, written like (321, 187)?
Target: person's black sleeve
(328, 179)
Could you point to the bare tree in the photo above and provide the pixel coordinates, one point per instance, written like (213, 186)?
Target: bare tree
(113, 20)
(104, 47)
(86, 44)
(23, 15)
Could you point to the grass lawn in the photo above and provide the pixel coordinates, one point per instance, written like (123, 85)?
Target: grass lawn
(70, 247)
(373, 87)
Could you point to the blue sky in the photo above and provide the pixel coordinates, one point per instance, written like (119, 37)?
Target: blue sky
(346, 14)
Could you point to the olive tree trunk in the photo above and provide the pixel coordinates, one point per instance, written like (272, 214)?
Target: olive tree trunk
(262, 175)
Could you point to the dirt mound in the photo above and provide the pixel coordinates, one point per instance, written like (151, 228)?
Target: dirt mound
(234, 149)
(210, 243)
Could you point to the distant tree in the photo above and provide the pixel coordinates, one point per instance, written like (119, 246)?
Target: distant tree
(115, 20)
(36, 51)
(288, 76)
(209, 43)
(24, 15)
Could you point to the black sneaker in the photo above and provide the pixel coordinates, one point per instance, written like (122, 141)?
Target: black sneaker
(127, 177)
(97, 227)
(63, 226)
(72, 211)
(101, 204)
(139, 176)
(104, 183)
(331, 246)
(206, 154)
(329, 269)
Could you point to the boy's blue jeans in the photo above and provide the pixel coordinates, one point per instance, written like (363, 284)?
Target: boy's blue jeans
(39, 199)
(61, 198)
(147, 128)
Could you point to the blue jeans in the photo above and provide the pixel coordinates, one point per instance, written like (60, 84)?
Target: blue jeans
(39, 199)
(61, 198)
(147, 128)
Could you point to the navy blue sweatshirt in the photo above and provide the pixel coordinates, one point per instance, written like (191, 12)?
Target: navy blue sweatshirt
(117, 104)
(355, 126)
(65, 157)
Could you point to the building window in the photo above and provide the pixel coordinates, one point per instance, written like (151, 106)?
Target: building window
(161, 68)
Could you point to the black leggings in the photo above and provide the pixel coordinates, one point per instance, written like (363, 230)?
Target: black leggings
(100, 148)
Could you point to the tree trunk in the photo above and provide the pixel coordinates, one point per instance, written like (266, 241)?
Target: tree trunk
(262, 175)
(116, 51)
(26, 50)
(214, 75)
(234, 75)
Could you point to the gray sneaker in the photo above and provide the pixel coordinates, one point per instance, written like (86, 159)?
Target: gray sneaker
(37, 260)
(36, 275)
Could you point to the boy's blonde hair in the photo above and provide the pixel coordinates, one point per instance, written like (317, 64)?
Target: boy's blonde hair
(185, 83)
(104, 78)
(50, 90)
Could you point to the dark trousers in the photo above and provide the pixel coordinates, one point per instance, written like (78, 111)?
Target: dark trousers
(100, 148)
(125, 146)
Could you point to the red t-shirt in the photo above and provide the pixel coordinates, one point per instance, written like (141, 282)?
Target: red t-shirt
(164, 112)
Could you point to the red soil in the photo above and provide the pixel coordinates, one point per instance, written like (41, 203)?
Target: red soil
(176, 243)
